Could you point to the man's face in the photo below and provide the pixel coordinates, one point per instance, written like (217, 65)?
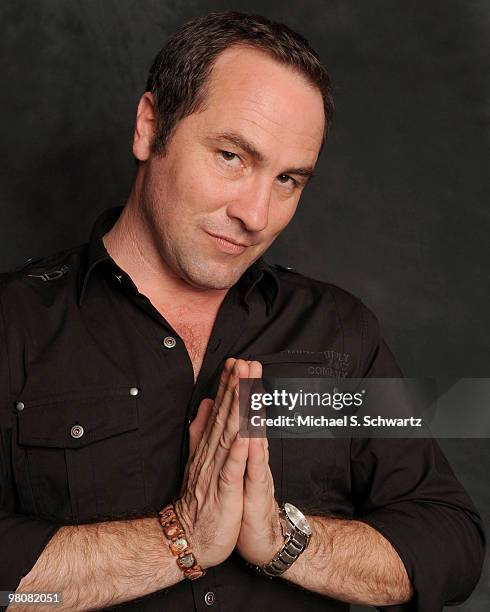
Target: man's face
(233, 170)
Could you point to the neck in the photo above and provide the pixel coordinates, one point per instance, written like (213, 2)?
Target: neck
(130, 245)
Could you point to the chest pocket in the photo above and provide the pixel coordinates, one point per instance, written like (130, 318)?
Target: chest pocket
(313, 473)
(79, 456)
(314, 365)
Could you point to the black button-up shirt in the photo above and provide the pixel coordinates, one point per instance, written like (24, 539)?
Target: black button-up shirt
(97, 392)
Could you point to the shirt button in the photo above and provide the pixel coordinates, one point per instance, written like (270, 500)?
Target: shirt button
(20, 406)
(209, 598)
(134, 391)
(76, 431)
(169, 342)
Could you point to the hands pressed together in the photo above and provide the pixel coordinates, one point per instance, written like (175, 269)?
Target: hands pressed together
(227, 501)
(227, 497)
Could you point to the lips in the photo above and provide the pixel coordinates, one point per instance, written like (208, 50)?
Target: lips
(228, 246)
(242, 244)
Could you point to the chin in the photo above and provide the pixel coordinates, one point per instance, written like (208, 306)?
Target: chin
(213, 276)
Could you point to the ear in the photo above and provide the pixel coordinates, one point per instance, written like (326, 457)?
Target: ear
(145, 128)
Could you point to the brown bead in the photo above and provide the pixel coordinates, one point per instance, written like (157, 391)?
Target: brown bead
(173, 530)
(186, 561)
(194, 572)
(167, 514)
(179, 546)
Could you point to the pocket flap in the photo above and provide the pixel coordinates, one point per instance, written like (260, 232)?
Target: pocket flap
(289, 358)
(73, 421)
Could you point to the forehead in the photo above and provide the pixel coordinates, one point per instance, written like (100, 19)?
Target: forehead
(252, 93)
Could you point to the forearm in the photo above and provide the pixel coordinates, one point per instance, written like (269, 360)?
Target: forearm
(101, 564)
(351, 561)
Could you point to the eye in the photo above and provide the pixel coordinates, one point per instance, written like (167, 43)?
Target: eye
(287, 177)
(228, 156)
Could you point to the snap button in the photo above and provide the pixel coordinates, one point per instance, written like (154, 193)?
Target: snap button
(209, 598)
(169, 342)
(20, 406)
(76, 431)
(134, 391)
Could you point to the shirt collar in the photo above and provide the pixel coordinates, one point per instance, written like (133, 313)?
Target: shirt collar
(259, 274)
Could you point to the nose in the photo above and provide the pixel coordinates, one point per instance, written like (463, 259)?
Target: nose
(251, 204)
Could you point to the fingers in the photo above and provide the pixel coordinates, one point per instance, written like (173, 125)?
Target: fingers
(233, 470)
(254, 388)
(225, 375)
(214, 430)
(198, 425)
(258, 471)
(204, 455)
(223, 381)
(196, 429)
(258, 474)
(225, 426)
(259, 497)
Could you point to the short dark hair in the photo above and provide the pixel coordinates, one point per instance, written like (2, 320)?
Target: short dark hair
(178, 77)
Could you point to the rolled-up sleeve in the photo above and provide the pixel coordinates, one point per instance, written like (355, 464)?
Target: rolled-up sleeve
(22, 537)
(22, 540)
(406, 489)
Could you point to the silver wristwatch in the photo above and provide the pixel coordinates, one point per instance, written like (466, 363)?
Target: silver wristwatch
(296, 537)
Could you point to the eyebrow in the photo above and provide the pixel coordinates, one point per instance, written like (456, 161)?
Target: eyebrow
(239, 141)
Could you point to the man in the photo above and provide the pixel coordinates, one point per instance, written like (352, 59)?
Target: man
(122, 358)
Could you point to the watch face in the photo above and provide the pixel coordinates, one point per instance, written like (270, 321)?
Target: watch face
(297, 518)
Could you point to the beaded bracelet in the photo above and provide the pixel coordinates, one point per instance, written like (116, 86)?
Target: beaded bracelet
(179, 545)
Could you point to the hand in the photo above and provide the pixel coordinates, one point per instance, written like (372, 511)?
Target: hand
(210, 506)
(260, 536)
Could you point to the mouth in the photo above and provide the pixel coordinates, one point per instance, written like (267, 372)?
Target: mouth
(229, 245)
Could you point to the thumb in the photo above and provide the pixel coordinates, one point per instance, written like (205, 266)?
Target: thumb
(197, 426)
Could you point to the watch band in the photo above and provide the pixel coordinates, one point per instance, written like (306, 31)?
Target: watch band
(295, 543)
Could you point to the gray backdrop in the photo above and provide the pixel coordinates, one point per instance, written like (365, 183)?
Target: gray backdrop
(397, 214)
